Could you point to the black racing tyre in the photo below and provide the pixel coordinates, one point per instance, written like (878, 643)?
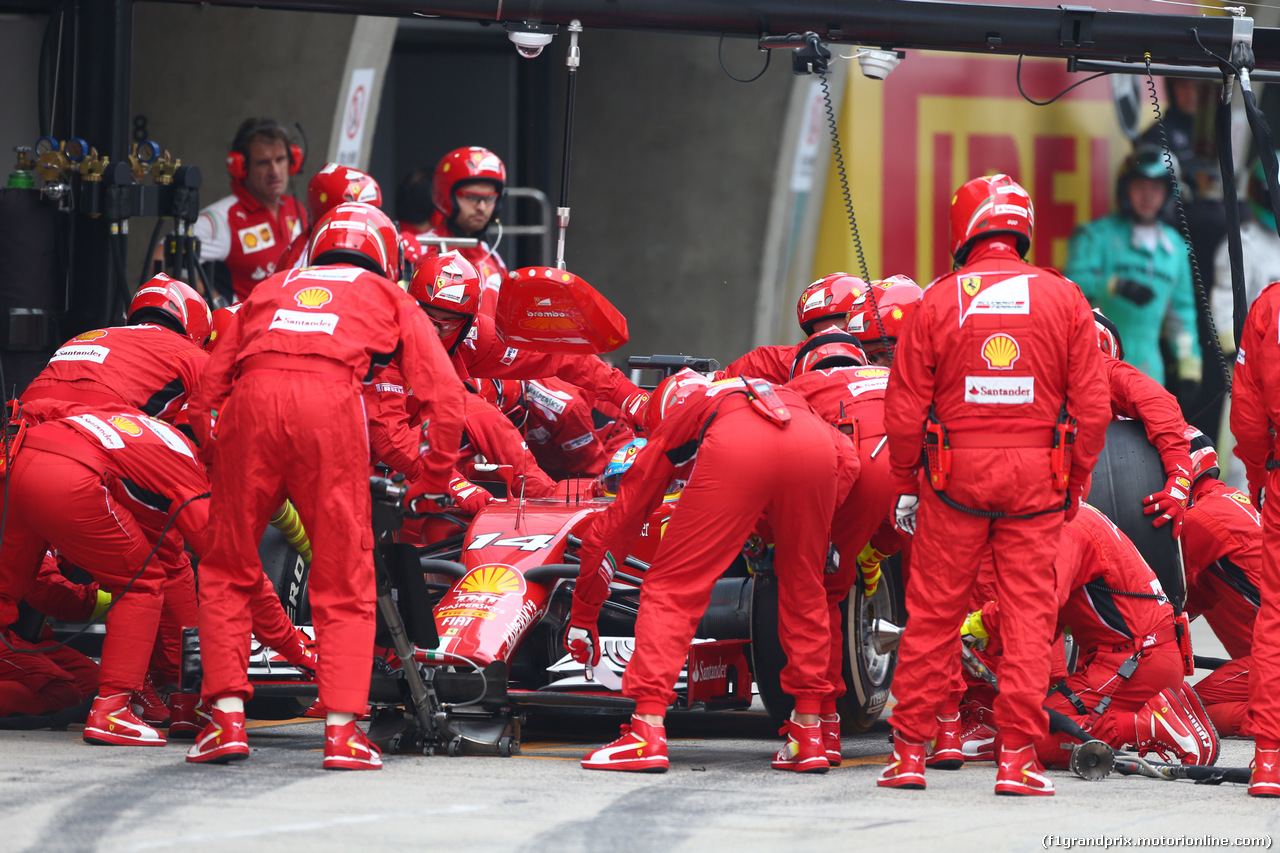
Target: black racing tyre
(288, 573)
(868, 674)
(276, 707)
(1129, 469)
(767, 656)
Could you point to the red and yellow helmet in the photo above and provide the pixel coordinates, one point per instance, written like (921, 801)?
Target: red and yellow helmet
(175, 300)
(828, 298)
(335, 184)
(995, 204)
(361, 235)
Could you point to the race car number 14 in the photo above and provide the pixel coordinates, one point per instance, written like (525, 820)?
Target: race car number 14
(524, 543)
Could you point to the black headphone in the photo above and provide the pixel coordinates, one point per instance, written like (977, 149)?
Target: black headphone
(238, 156)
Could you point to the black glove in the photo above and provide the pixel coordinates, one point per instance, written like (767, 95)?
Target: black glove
(1137, 293)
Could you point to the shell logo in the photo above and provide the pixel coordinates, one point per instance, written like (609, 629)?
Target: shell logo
(250, 240)
(896, 313)
(1000, 351)
(126, 426)
(313, 297)
(493, 580)
(90, 336)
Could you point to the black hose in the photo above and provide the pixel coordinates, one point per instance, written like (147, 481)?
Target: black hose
(1230, 198)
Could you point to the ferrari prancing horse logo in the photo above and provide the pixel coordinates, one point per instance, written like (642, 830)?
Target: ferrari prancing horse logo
(971, 284)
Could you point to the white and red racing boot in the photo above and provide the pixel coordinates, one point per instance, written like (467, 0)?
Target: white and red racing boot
(642, 748)
(147, 705)
(187, 716)
(831, 738)
(1264, 781)
(1201, 725)
(111, 722)
(222, 740)
(347, 748)
(804, 751)
(1165, 727)
(1020, 774)
(945, 751)
(906, 767)
(977, 733)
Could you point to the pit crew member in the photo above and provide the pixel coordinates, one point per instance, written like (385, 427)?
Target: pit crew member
(997, 366)
(285, 382)
(750, 449)
(1255, 416)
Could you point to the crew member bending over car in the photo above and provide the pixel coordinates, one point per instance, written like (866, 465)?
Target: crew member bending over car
(748, 448)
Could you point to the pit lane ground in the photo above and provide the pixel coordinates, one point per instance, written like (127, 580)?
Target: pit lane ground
(58, 794)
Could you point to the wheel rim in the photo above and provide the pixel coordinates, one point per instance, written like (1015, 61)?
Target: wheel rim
(879, 606)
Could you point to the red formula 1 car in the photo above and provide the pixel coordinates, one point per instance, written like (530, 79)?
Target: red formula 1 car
(482, 613)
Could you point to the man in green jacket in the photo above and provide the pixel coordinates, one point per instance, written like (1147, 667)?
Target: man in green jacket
(1135, 268)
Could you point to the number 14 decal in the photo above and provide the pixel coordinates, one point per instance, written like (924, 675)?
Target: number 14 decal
(524, 543)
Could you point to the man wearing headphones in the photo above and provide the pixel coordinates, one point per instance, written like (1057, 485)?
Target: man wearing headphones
(250, 229)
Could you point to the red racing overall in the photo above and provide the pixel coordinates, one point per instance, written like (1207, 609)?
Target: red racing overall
(856, 392)
(1255, 412)
(285, 383)
(58, 678)
(742, 465)
(97, 487)
(1110, 629)
(995, 351)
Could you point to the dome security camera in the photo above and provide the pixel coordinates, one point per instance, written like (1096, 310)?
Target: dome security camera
(530, 38)
(878, 64)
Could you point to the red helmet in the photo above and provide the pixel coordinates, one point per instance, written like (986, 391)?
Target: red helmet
(828, 298)
(507, 396)
(335, 184)
(829, 349)
(220, 321)
(671, 392)
(171, 302)
(996, 204)
(896, 298)
(448, 282)
(199, 319)
(1108, 335)
(360, 235)
(1204, 458)
(460, 166)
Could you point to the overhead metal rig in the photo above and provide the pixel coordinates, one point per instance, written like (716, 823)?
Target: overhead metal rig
(1065, 31)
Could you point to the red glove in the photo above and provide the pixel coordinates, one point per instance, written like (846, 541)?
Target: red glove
(469, 497)
(1171, 504)
(582, 641)
(634, 409)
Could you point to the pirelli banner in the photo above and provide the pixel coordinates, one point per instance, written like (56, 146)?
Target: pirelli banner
(941, 118)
